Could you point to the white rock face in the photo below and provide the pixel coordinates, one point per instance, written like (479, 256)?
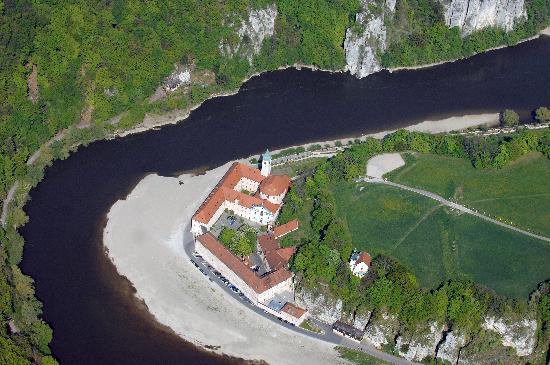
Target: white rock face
(472, 15)
(252, 32)
(449, 349)
(519, 335)
(379, 331)
(360, 321)
(180, 76)
(422, 345)
(361, 59)
(320, 306)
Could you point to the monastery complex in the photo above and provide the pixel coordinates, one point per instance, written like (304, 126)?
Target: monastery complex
(256, 196)
(250, 193)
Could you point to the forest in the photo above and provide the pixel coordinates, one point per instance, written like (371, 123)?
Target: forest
(68, 63)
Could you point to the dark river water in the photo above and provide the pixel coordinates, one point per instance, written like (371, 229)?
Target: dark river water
(95, 318)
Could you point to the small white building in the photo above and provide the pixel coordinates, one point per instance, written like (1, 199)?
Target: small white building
(359, 263)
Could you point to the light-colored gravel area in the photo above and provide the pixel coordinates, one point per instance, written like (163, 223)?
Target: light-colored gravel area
(144, 238)
(380, 165)
(448, 124)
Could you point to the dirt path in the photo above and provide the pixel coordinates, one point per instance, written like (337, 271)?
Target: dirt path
(414, 226)
(455, 206)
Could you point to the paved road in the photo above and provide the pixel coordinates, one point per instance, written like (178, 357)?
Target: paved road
(453, 205)
(327, 335)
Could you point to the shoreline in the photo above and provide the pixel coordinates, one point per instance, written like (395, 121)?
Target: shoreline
(543, 32)
(446, 125)
(145, 238)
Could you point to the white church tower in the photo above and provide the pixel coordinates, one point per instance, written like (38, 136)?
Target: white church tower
(266, 163)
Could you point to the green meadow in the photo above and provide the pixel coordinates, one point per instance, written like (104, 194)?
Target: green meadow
(437, 244)
(518, 193)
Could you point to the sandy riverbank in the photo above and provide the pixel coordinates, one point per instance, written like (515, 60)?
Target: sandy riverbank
(144, 237)
(429, 126)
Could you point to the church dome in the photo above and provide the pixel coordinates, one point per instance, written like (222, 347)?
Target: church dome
(275, 185)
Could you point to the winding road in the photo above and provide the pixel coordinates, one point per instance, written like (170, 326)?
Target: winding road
(452, 205)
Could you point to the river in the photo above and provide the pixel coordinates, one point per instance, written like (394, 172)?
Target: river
(93, 312)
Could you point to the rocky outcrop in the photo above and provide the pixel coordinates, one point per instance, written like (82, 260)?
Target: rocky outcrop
(367, 38)
(180, 76)
(381, 329)
(32, 83)
(360, 320)
(420, 344)
(251, 33)
(472, 15)
(520, 335)
(321, 306)
(449, 347)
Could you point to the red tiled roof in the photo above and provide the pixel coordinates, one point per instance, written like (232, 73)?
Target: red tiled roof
(275, 185)
(224, 190)
(293, 310)
(286, 253)
(259, 285)
(364, 257)
(286, 228)
(275, 256)
(268, 243)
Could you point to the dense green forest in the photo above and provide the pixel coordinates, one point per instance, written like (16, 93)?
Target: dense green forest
(389, 287)
(68, 63)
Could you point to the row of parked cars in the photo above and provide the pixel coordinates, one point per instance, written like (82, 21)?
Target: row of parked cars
(222, 278)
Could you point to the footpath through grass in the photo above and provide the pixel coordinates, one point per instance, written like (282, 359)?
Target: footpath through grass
(519, 193)
(437, 244)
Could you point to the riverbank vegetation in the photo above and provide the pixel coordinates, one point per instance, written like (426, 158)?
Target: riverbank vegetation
(424, 243)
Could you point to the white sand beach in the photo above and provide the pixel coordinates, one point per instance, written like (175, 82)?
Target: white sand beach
(380, 165)
(449, 124)
(144, 237)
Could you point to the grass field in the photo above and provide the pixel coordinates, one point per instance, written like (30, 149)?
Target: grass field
(518, 193)
(358, 357)
(437, 244)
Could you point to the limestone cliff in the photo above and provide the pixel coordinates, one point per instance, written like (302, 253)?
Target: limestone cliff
(320, 305)
(421, 344)
(381, 329)
(367, 38)
(520, 335)
(250, 33)
(472, 15)
(449, 348)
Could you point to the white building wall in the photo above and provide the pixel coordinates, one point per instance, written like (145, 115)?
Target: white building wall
(275, 199)
(247, 184)
(360, 269)
(292, 319)
(284, 286)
